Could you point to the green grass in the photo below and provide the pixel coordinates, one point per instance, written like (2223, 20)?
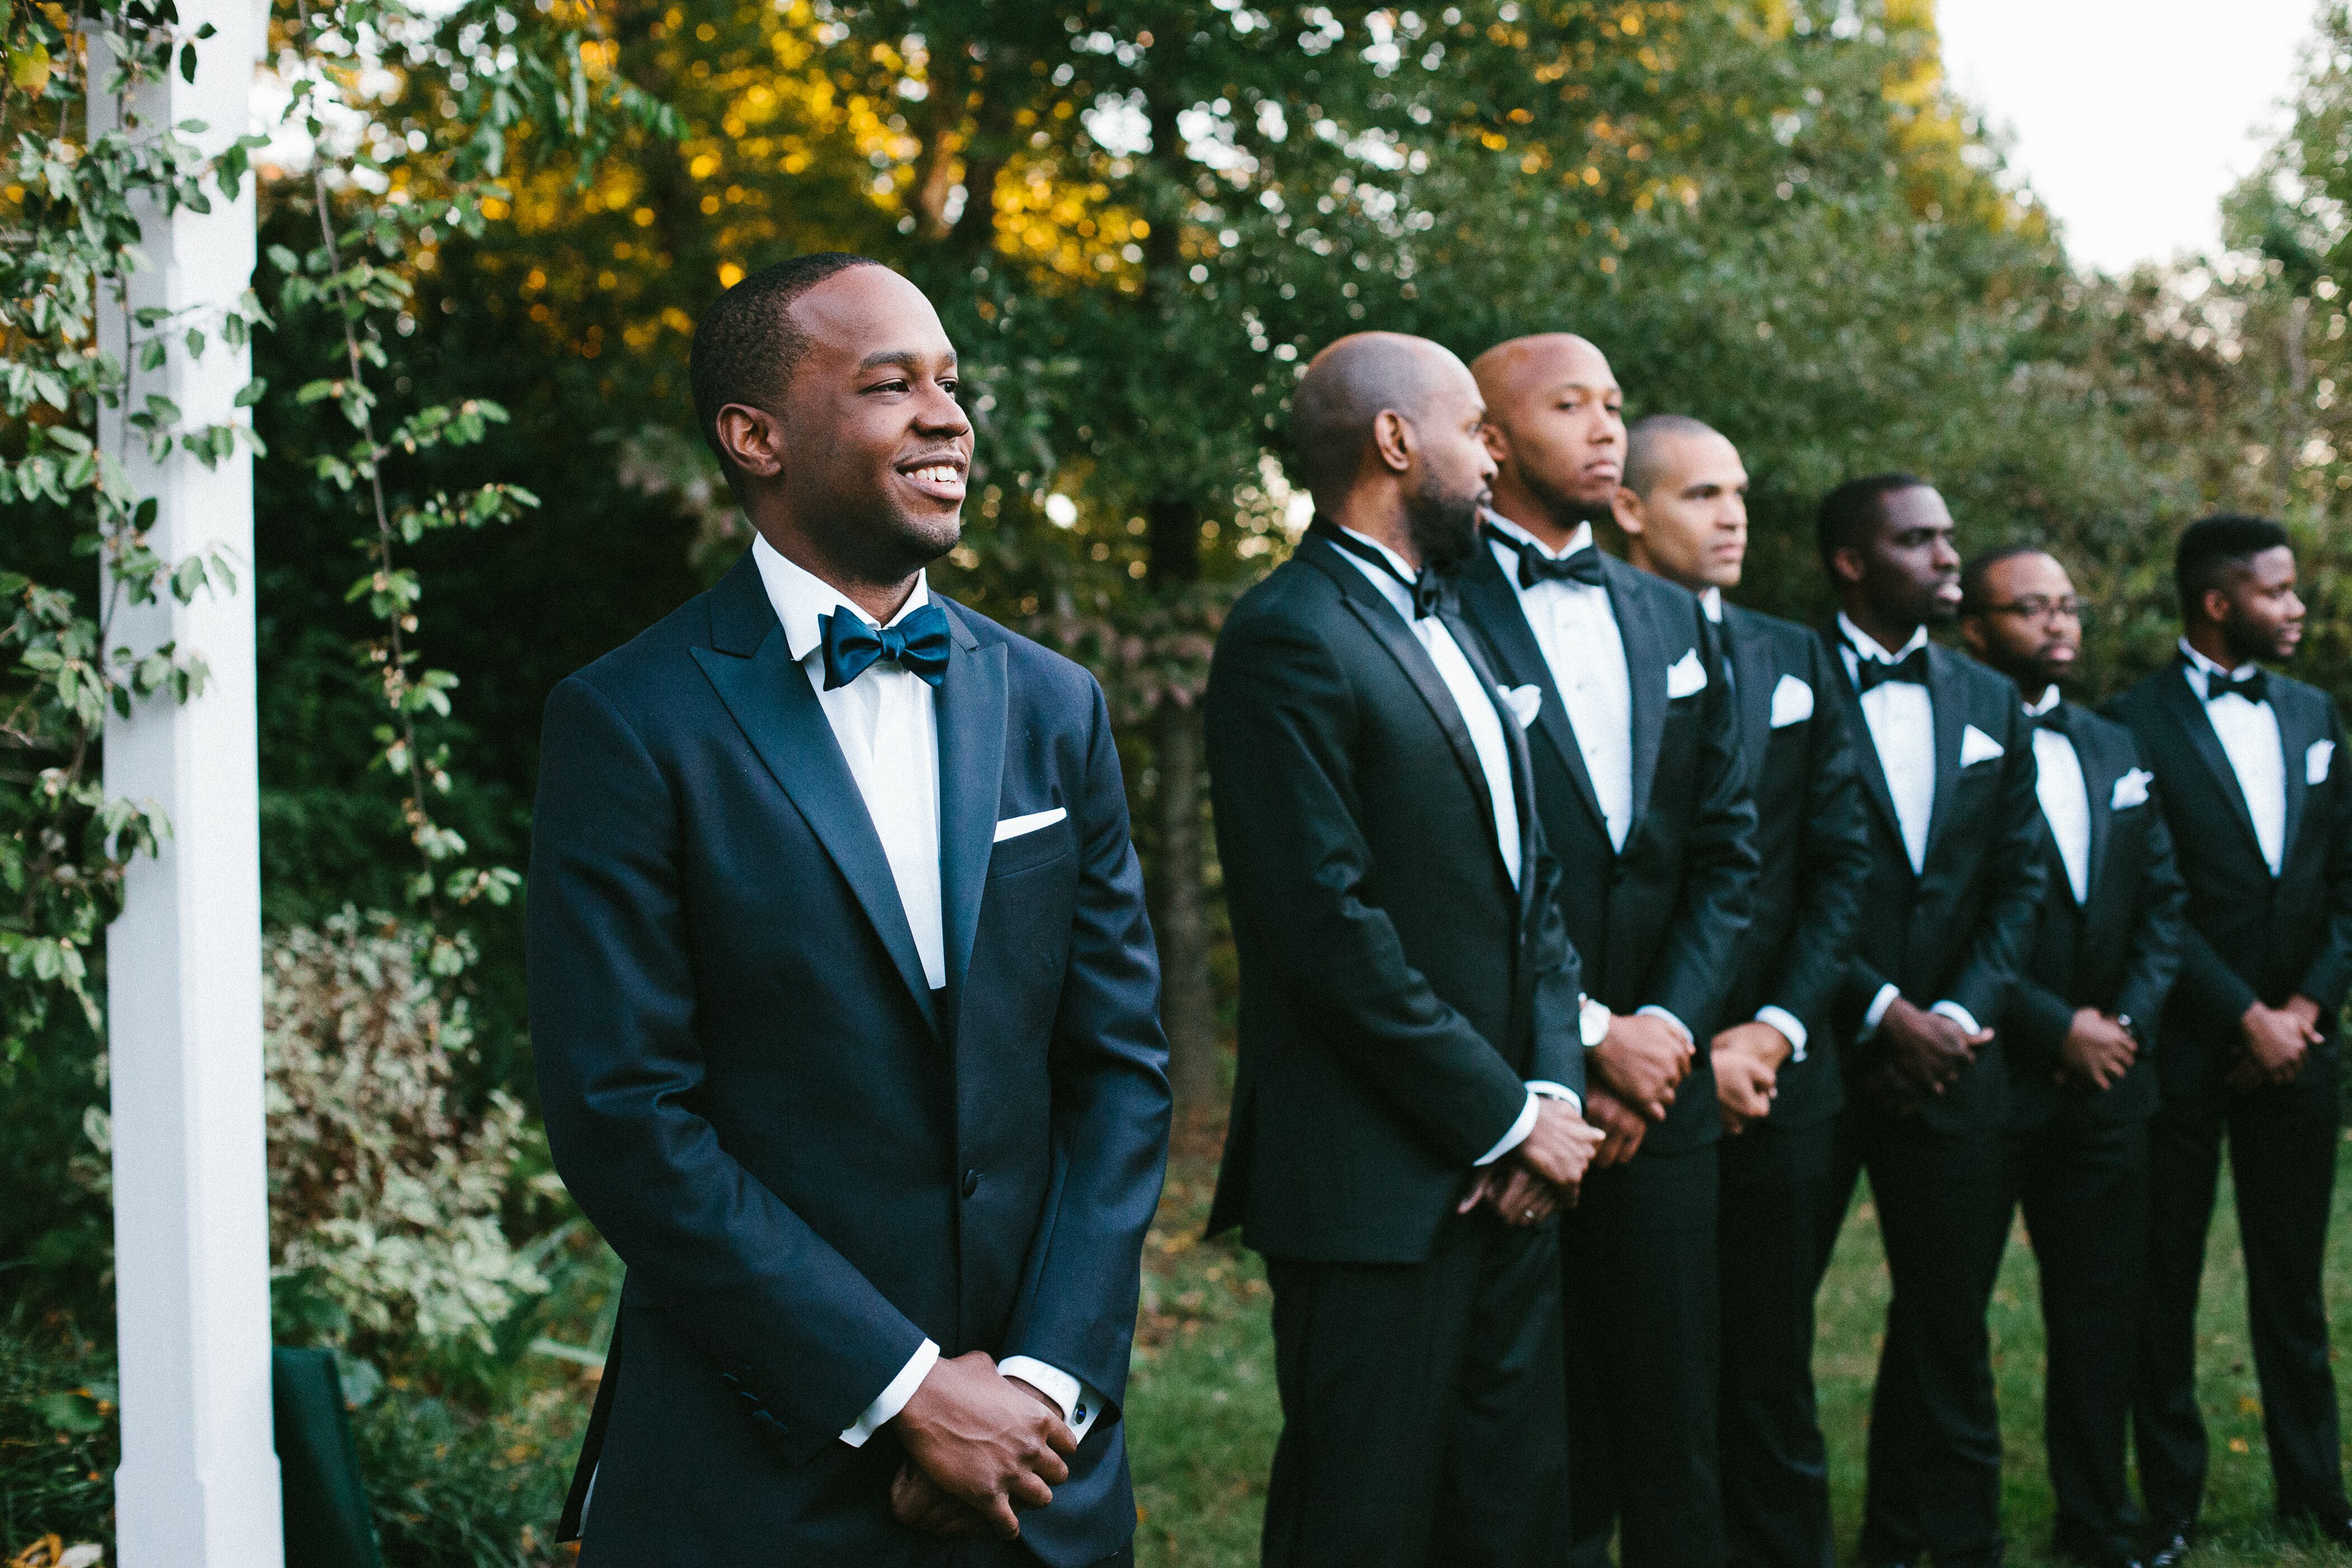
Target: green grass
(1203, 1414)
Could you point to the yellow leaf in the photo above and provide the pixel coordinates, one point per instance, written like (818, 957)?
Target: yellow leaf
(30, 68)
(2238, 1446)
(2249, 1405)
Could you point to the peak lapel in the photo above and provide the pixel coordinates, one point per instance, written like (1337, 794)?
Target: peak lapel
(1491, 604)
(2299, 725)
(1947, 694)
(2188, 712)
(1752, 663)
(1645, 672)
(1874, 772)
(971, 707)
(2102, 763)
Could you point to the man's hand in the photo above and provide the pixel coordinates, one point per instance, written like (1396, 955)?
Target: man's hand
(1928, 1049)
(1641, 1060)
(1758, 1040)
(987, 1441)
(1621, 1130)
(1561, 1146)
(2277, 1040)
(1516, 1194)
(1745, 1082)
(2097, 1052)
(1886, 1087)
(917, 1502)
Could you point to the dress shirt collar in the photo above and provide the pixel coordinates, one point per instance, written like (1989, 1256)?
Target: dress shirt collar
(1393, 589)
(1711, 601)
(800, 597)
(2200, 668)
(1580, 540)
(1861, 642)
(2049, 699)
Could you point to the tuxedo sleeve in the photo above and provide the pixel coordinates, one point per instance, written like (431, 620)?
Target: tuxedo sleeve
(1832, 860)
(1702, 953)
(1558, 970)
(2014, 873)
(1076, 1309)
(1281, 715)
(793, 1326)
(2159, 933)
(2330, 971)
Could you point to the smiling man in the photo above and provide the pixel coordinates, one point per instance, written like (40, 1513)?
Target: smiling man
(1636, 749)
(844, 1003)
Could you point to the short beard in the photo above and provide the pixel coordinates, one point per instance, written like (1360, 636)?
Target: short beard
(1443, 528)
(1566, 511)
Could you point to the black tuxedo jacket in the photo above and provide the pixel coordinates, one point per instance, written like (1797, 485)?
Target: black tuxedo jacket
(808, 1160)
(1659, 923)
(2249, 936)
(1956, 931)
(2118, 951)
(1813, 844)
(1397, 992)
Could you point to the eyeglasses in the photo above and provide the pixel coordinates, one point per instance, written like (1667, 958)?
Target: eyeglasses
(2035, 607)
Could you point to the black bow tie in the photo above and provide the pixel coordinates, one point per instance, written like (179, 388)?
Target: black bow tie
(2053, 719)
(2254, 685)
(1578, 566)
(1872, 672)
(1427, 587)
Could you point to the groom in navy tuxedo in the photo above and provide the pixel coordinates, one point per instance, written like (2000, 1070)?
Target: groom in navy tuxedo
(844, 1005)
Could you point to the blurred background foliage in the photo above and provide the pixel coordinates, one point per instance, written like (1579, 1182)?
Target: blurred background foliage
(1139, 221)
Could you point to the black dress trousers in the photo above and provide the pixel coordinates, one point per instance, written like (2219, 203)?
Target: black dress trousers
(1422, 1420)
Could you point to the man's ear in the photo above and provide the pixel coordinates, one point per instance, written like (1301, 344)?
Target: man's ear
(1845, 563)
(753, 440)
(1626, 506)
(1498, 446)
(1394, 440)
(1973, 634)
(2215, 602)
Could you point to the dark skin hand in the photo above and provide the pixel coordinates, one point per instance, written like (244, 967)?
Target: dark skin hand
(1621, 1127)
(984, 1440)
(2277, 1041)
(1641, 1060)
(1561, 1145)
(1516, 1194)
(2097, 1052)
(917, 1501)
(1928, 1049)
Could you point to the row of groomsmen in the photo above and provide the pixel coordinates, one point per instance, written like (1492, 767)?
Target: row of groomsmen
(1596, 933)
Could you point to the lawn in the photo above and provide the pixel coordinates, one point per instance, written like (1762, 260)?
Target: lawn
(1203, 1413)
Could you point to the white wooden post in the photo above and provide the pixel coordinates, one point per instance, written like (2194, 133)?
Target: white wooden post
(198, 1485)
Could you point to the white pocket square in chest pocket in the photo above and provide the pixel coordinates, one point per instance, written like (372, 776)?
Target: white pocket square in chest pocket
(1976, 746)
(1525, 702)
(2316, 759)
(2131, 790)
(1014, 827)
(1685, 676)
(1793, 702)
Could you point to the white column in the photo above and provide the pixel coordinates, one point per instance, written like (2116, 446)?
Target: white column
(198, 1485)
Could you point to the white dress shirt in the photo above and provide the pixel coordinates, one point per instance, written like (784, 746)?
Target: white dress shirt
(2249, 732)
(887, 724)
(1577, 631)
(1484, 720)
(1901, 718)
(2065, 798)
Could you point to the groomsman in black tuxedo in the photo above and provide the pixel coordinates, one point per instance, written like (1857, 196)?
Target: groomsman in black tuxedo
(1684, 516)
(1406, 1115)
(1636, 751)
(1955, 881)
(2078, 1037)
(2247, 770)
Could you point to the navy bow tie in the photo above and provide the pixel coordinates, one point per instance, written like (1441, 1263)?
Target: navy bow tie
(1869, 672)
(918, 643)
(2254, 685)
(1534, 567)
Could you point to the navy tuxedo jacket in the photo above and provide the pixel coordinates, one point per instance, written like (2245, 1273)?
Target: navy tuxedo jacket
(2250, 934)
(809, 1162)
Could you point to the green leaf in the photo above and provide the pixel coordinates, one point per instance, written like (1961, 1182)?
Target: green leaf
(188, 63)
(72, 1412)
(28, 69)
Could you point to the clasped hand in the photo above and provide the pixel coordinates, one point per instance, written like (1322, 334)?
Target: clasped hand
(1643, 1060)
(2276, 1040)
(979, 1446)
(1925, 1052)
(1528, 1185)
(1748, 1058)
(2097, 1052)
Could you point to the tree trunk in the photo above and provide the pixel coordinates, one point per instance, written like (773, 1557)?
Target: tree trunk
(1188, 1006)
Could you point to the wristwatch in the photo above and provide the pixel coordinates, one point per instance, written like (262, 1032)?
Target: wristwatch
(1593, 1021)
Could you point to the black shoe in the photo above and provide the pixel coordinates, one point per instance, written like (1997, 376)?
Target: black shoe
(2168, 1544)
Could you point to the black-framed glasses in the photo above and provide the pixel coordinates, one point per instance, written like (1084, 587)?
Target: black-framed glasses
(2035, 607)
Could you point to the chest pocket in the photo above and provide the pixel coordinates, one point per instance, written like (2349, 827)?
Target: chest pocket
(1028, 851)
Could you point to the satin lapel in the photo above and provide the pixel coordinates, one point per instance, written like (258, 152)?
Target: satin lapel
(1523, 777)
(1752, 665)
(2296, 732)
(1947, 693)
(2100, 769)
(1492, 604)
(2190, 714)
(971, 707)
(777, 710)
(1646, 671)
(1874, 774)
(1389, 629)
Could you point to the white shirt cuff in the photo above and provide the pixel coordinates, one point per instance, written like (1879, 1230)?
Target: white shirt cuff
(1080, 1404)
(1545, 1089)
(1878, 1006)
(894, 1398)
(1516, 1136)
(1958, 1015)
(1654, 1010)
(1786, 1021)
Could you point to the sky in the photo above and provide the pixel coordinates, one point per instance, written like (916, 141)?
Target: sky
(2130, 119)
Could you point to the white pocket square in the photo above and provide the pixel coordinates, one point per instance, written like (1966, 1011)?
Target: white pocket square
(2131, 790)
(1526, 702)
(1792, 702)
(2316, 761)
(1014, 827)
(1976, 746)
(1685, 676)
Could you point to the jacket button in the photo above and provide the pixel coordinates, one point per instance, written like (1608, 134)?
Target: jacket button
(970, 1183)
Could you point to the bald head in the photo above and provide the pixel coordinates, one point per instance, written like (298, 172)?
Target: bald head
(1653, 446)
(1346, 389)
(1556, 425)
